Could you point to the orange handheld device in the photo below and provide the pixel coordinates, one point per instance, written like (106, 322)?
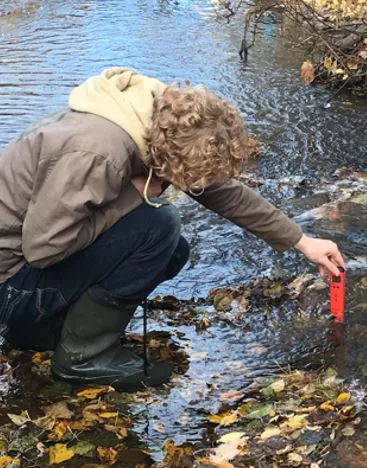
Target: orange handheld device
(337, 295)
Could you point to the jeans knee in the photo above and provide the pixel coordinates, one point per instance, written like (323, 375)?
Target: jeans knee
(179, 258)
(167, 223)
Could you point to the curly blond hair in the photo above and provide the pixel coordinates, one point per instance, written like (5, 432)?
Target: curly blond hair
(195, 139)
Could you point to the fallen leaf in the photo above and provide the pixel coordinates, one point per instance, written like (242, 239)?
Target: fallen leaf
(307, 72)
(60, 453)
(107, 454)
(348, 431)
(222, 302)
(121, 432)
(259, 412)
(231, 395)
(326, 406)
(226, 452)
(41, 358)
(278, 386)
(270, 432)
(82, 448)
(45, 422)
(9, 462)
(58, 430)
(59, 410)
(93, 393)
(203, 324)
(224, 419)
(296, 422)
(207, 461)
(108, 415)
(160, 427)
(19, 419)
(178, 456)
(343, 397)
(231, 436)
(295, 458)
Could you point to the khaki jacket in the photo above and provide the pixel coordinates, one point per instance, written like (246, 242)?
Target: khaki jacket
(69, 179)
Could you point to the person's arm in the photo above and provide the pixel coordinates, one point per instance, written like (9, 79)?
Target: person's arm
(246, 208)
(249, 210)
(75, 198)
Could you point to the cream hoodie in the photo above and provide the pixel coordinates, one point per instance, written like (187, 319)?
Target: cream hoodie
(123, 96)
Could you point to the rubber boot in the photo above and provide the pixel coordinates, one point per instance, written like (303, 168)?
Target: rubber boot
(90, 352)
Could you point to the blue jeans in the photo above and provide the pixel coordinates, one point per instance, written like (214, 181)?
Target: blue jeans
(127, 261)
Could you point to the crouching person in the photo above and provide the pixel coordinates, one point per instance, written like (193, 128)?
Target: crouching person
(84, 234)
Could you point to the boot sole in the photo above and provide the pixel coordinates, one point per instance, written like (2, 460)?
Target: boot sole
(114, 381)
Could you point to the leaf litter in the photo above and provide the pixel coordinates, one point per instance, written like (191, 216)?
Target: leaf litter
(293, 418)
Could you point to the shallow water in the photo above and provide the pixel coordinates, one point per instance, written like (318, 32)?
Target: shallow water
(49, 46)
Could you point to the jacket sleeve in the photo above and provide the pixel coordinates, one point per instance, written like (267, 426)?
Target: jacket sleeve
(246, 208)
(75, 198)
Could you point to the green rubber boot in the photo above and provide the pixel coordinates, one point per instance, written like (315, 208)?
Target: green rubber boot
(89, 351)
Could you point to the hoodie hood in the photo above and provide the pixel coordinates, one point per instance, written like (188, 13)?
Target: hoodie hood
(122, 96)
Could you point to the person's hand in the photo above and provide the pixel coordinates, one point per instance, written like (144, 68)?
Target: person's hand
(323, 252)
(154, 189)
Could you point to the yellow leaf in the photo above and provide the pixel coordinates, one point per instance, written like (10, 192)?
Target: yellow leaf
(232, 436)
(7, 462)
(60, 453)
(58, 431)
(93, 393)
(296, 422)
(326, 406)
(343, 397)
(352, 65)
(108, 415)
(224, 418)
(270, 432)
(328, 62)
(122, 432)
(107, 454)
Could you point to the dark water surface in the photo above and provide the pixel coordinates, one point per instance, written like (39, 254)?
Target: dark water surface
(49, 46)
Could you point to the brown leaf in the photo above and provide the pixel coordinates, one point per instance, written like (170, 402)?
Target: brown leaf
(107, 454)
(59, 410)
(231, 395)
(178, 456)
(307, 72)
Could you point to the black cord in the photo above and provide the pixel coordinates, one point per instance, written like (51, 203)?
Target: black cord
(145, 347)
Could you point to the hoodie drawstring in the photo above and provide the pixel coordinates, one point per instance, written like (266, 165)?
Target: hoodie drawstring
(145, 193)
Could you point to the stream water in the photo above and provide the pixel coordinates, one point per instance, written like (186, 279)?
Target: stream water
(49, 46)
